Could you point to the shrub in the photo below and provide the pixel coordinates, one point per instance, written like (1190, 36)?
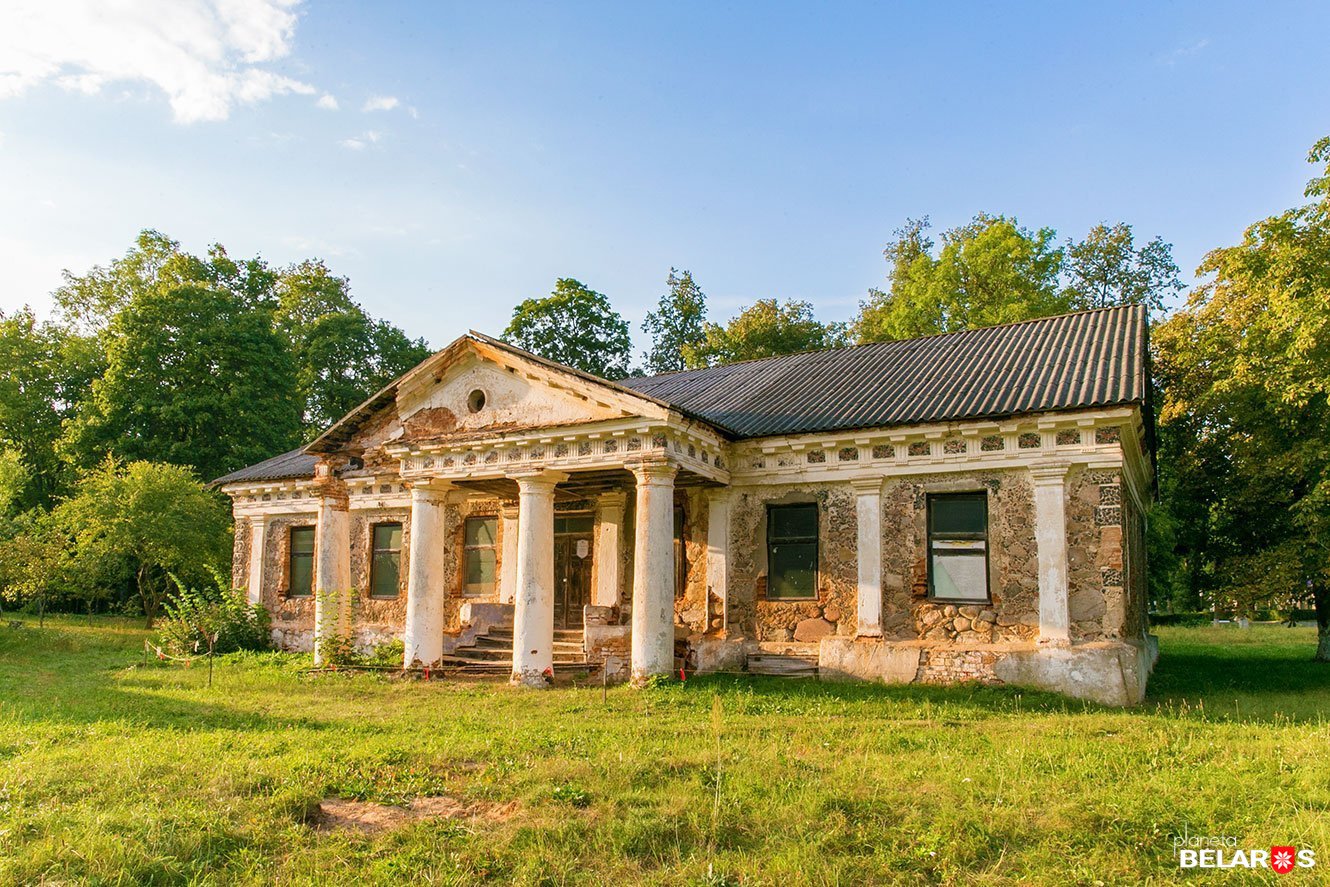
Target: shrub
(196, 614)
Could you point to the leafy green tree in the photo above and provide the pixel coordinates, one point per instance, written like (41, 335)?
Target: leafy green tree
(574, 326)
(33, 561)
(678, 323)
(196, 375)
(341, 354)
(989, 271)
(41, 383)
(764, 329)
(1245, 373)
(1107, 268)
(157, 518)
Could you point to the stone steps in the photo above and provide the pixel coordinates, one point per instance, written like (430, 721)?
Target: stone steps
(492, 653)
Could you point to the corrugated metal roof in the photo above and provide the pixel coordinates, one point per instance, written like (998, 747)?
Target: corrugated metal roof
(295, 464)
(1088, 359)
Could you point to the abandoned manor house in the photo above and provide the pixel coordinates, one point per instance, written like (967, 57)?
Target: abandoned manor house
(961, 507)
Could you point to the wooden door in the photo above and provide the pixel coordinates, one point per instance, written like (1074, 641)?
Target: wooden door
(572, 571)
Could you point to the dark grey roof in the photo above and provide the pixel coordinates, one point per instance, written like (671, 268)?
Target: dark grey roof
(295, 464)
(1072, 361)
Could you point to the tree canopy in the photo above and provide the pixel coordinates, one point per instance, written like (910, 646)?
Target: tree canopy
(156, 519)
(1244, 370)
(677, 324)
(575, 326)
(992, 270)
(764, 329)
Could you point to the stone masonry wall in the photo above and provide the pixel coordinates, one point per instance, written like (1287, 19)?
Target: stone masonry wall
(1013, 614)
(692, 610)
(833, 611)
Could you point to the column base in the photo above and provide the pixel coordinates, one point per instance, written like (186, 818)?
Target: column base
(531, 679)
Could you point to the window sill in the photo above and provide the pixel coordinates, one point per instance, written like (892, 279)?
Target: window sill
(961, 602)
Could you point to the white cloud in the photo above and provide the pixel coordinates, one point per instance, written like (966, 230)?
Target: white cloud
(205, 55)
(381, 103)
(327, 102)
(362, 141)
(1182, 53)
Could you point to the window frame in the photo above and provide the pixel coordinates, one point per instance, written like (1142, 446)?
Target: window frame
(976, 495)
(292, 554)
(815, 540)
(374, 552)
(493, 585)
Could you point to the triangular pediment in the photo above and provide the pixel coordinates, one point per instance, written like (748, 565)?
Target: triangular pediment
(479, 387)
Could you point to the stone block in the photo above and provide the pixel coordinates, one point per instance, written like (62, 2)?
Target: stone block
(812, 630)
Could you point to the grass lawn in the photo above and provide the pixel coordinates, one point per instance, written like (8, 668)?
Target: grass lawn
(116, 773)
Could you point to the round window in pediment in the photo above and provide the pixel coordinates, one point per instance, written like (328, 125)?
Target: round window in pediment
(475, 401)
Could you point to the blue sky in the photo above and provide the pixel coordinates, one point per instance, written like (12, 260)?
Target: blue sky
(478, 151)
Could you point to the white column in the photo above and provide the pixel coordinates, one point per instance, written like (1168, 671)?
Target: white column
(868, 507)
(653, 571)
(606, 558)
(258, 532)
(332, 572)
(508, 554)
(426, 579)
(718, 551)
(1050, 529)
(533, 615)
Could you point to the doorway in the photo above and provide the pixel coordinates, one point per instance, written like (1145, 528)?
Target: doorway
(572, 568)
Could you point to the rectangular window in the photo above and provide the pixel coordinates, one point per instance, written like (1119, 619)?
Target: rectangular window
(792, 551)
(680, 555)
(300, 563)
(479, 539)
(386, 561)
(958, 546)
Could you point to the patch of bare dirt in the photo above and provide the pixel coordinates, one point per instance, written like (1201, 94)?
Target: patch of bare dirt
(337, 814)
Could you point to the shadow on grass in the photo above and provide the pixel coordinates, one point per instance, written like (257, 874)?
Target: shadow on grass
(1253, 682)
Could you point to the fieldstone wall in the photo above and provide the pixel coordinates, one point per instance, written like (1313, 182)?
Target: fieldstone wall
(692, 609)
(1088, 574)
(373, 617)
(1135, 580)
(288, 613)
(834, 609)
(1013, 561)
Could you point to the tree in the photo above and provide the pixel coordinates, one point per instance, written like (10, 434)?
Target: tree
(1245, 373)
(157, 518)
(195, 375)
(1107, 269)
(341, 354)
(764, 329)
(677, 324)
(989, 271)
(576, 327)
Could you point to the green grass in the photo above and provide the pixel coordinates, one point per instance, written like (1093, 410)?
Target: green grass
(116, 773)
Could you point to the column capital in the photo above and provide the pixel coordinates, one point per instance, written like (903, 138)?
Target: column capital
(429, 488)
(652, 471)
(1049, 472)
(508, 509)
(866, 485)
(537, 479)
(613, 499)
